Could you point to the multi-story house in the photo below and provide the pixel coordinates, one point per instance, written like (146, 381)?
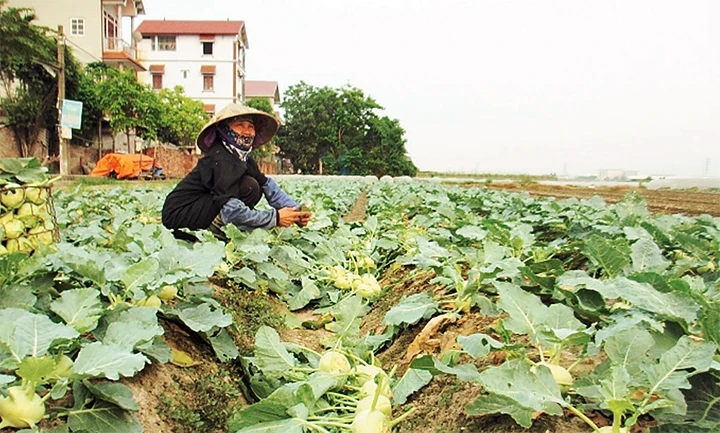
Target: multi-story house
(93, 28)
(206, 58)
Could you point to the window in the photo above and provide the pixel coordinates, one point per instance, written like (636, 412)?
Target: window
(184, 72)
(207, 48)
(157, 81)
(208, 83)
(77, 26)
(166, 43)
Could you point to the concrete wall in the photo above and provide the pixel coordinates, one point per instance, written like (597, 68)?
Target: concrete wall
(10, 149)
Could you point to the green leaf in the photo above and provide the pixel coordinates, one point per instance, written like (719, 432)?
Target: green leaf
(412, 381)
(474, 233)
(140, 274)
(703, 408)
(526, 312)
(561, 316)
(308, 293)
(497, 403)
(348, 315)
(412, 309)
(614, 390)
(515, 390)
(271, 410)
(647, 256)
(674, 306)
(291, 425)
(36, 369)
(203, 318)
(157, 349)
(110, 361)
(670, 372)
(132, 327)
(628, 348)
(105, 418)
(30, 175)
(79, 308)
(610, 255)
(24, 333)
(11, 165)
(271, 355)
(17, 296)
(224, 346)
(87, 263)
(115, 393)
(464, 372)
(478, 345)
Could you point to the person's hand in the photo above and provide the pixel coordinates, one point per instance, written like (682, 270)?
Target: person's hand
(288, 216)
(303, 218)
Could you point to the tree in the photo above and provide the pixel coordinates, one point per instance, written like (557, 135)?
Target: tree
(88, 93)
(27, 68)
(130, 106)
(181, 118)
(337, 131)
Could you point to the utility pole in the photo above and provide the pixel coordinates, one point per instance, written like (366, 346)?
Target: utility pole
(64, 163)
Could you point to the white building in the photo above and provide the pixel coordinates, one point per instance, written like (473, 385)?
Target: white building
(206, 58)
(93, 28)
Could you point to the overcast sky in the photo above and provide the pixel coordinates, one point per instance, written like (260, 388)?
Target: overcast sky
(506, 86)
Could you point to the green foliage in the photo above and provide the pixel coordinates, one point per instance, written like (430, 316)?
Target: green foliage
(181, 117)
(337, 129)
(203, 405)
(27, 64)
(129, 105)
(88, 93)
(250, 311)
(261, 104)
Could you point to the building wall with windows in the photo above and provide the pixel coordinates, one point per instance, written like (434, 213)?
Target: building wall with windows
(93, 28)
(210, 67)
(80, 20)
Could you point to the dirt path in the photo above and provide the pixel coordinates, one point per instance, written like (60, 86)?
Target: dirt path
(358, 211)
(659, 201)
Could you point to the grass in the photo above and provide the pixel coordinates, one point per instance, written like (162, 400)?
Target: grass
(250, 311)
(203, 405)
(92, 181)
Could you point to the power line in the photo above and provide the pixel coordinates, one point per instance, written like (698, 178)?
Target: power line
(83, 50)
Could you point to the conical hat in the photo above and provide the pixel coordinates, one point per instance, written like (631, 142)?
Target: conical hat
(266, 125)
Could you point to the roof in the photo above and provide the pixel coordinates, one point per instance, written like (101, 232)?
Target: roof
(164, 27)
(119, 57)
(262, 89)
(207, 69)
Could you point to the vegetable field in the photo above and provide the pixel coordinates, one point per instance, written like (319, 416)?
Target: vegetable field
(403, 306)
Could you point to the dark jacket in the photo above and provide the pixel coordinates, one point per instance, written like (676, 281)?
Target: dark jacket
(200, 196)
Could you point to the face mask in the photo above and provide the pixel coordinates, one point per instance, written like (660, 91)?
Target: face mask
(245, 142)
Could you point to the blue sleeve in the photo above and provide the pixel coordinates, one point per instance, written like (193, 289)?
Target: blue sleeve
(276, 196)
(236, 212)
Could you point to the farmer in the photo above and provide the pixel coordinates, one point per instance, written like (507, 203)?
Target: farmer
(227, 184)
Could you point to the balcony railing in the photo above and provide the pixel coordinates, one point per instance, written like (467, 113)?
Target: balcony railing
(118, 45)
